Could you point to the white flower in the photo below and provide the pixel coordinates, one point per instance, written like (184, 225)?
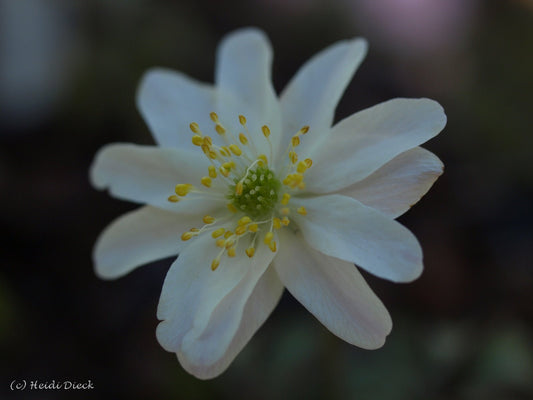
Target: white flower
(258, 192)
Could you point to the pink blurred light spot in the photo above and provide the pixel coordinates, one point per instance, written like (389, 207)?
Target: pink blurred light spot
(415, 25)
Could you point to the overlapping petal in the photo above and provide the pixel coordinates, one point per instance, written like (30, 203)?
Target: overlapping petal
(262, 301)
(244, 61)
(312, 95)
(201, 309)
(334, 292)
(148, 174)
(342, 227)
(367, 140)
(399, 184)
(138, 237)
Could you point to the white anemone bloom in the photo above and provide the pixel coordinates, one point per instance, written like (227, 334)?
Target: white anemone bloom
(257, 192)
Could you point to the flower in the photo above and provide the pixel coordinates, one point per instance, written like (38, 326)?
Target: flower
(258, 192)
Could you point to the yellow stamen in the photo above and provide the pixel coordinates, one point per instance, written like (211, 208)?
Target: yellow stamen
(285, 211)
(206, 181)
(276, 223)
(250, 251)
(244, 220)
(231, 252)
(285, 199)
(194, 230)
(228, 165)
(263, 159)
(238, 188)
(208, 219)
(268, 237)
(183, 188)
(228, 234)
(212, 171)
(235, 149)
(221, 243)
(217, 233)
(224, 151)
(215, 264)
(252, 227)
(231, 208)
(208, 141)
(243, 139)
(285, 221)
(242, 120)
(295, 141)
(308, 162)
(293, 180)
(240, 230)
(197, 140)
(272, 246)
(293, 157)
(304, 130)
(301, 210)
(214, 117)
(224, 171)
(266, 131)
(194, 127)
(229, 243)
(301, 167)
(220, 129)
(173, 198)
(186, 236)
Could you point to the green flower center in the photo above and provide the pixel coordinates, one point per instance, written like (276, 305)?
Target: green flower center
(259, 194)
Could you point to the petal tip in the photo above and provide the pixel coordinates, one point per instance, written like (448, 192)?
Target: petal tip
(97, 171)
(152, 77)
(240, 39)
(436, 108)
(247, 32)
(354, 50)
(103, 273)
(106, 272)
(378, 340)
(203, 372)
(95, 174)
(164, 338)
(378, 343)
(360, 44)
(411, 276)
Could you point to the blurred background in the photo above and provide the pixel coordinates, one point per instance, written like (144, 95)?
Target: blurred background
(68, 75)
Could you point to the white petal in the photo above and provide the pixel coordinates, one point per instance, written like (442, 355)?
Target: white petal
(312, 95)
(169, 101)
(244, 60)
(193, 294)
(260, 304)
(138, 237)
(334, 292)
(344, 228)
(399, 184)
(148, 174)
(365, 141)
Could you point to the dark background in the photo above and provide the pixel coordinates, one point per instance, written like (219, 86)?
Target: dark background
(68, 75)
